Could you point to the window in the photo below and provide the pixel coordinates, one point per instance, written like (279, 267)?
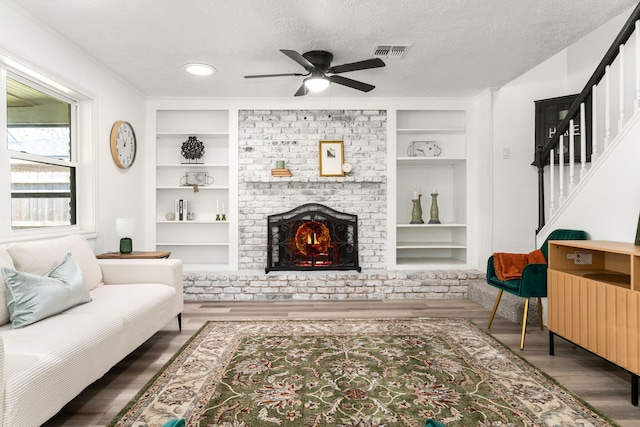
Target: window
(41, 147)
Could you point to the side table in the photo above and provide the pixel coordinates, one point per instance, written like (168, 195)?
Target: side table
(134, 255)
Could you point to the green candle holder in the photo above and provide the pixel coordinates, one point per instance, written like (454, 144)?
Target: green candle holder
(416, 213)
(435, 212)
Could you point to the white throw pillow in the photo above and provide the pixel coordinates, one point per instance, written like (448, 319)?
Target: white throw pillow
(5, 261)
(41, 256)
(31, 297)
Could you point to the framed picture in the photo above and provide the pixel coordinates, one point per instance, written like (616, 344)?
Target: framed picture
(549, 113)
(331, 158)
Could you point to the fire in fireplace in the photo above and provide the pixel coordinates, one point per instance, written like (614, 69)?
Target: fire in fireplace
(312, 237)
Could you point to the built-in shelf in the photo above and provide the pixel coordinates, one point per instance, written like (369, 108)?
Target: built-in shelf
(428, 245)
(202, 243)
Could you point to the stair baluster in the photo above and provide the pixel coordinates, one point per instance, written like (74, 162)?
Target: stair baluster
(589, 101)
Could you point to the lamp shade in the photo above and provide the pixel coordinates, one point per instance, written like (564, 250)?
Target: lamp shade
(126, 227)
(316, 83)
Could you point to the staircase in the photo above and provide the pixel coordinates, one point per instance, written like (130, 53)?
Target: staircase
(601, 196)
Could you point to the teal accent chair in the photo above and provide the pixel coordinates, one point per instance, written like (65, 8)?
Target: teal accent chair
(180, 422)
(533, 282)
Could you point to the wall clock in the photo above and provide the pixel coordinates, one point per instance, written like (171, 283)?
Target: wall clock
(123, 144)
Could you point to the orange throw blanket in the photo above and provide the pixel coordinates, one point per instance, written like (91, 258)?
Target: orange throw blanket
(510, 266)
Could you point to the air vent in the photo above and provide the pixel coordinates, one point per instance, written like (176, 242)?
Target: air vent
(390, 51)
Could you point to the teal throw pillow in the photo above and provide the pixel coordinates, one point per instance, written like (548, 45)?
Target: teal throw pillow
(31, 298)
(433, 423)
(175, 423)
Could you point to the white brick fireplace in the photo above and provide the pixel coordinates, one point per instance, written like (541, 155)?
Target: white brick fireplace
(266, 136)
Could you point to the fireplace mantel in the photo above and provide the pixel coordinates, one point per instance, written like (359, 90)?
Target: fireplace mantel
(316, 179)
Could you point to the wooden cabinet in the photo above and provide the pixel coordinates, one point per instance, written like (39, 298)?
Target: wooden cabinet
(431, 153)
(594, 300)
(203, 241)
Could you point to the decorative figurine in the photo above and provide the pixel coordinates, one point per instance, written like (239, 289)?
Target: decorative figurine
(192, 149)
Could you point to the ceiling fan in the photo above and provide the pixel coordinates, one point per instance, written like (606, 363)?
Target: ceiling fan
(317, 63)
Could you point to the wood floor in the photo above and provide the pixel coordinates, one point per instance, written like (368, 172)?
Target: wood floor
(604, 386)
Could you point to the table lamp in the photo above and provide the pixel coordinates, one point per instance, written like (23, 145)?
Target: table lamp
(126, 229)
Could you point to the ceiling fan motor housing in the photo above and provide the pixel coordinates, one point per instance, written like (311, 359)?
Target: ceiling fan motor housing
(320, 58)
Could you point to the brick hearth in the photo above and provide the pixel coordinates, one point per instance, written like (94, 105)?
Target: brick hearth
(372, 285)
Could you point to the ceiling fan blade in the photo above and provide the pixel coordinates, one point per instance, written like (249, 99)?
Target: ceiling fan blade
(365, 87)
(257, 76)
(302, 91)
(298, 58)
(360, 65)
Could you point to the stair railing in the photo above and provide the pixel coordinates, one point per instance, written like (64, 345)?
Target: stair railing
(588, 101)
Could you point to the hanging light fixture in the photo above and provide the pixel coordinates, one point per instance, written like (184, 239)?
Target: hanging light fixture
(317, 82)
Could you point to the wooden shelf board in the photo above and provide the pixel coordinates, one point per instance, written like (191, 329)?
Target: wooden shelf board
(190, 187)
(430, 245)
(192, 165)
(412, 131)
(190, 244)
(429, 261)
(606, 276)
(600, 246)
(187, 134)
(425, 225)
(203, 221)
(429, 161)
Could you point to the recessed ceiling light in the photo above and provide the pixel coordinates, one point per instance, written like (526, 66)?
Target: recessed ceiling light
(199, 69)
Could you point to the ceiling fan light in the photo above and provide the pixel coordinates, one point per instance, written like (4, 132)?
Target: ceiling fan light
(199, 69)
(316, 84)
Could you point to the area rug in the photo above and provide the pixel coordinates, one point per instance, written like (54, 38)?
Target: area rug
(364, 373)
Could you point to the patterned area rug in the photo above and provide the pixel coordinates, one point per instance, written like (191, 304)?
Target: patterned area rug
(364, 373)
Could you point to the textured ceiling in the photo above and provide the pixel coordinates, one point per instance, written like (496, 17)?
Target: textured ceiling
(458, 47)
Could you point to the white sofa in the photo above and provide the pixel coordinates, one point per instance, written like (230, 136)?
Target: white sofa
(46, 364)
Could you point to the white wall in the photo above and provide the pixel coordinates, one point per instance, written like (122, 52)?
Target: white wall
(118, 193)
(121, 193)
(515, 188)
(608, 204)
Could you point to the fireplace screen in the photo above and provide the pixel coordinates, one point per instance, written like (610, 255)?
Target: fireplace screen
(312, 237)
